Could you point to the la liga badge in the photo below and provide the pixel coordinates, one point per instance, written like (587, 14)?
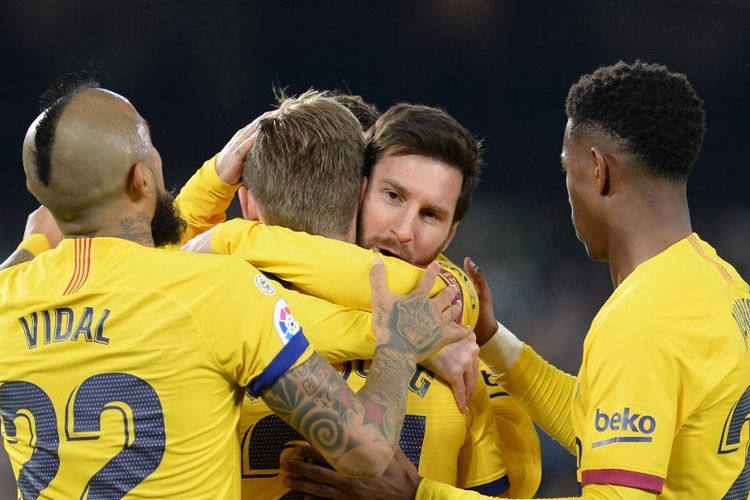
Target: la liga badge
(286, 326)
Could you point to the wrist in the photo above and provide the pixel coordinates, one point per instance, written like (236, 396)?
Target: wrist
(501, 351)
(408, 357)
(488, 333)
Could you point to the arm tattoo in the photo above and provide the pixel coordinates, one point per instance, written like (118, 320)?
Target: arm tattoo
(18, 257)
(315, 400)
(412, 326)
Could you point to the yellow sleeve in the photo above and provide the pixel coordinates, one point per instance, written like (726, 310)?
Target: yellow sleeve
(432, 490)
(253, 336)
(480, 463)
(546, 394)
(331, 269)
(519, 441)
(204, 200)
(34, 244)
(338, 333)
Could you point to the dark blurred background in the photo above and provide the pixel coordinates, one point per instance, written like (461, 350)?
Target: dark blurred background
(198, 71)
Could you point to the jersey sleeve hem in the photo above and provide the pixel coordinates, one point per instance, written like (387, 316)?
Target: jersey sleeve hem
(493, 488)
(283, 361)
(35, 243)
(620, 477)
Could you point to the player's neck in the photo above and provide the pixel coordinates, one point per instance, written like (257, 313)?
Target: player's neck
(645, 230)
(132, 225)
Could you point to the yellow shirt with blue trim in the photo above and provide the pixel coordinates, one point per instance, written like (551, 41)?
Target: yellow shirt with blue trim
(203, 201)
(122, 368)
(444, 444)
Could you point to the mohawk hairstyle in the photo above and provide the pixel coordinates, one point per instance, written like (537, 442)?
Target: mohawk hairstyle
(51, 103)
(655, 115)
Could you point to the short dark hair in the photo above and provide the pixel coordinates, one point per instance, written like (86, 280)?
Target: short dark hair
(406, 129)
(365, 112)
(655, 114)
(305, 169)
(52, 103)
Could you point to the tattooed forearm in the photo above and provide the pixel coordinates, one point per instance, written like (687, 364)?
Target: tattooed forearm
(314, 399)
(18, 257)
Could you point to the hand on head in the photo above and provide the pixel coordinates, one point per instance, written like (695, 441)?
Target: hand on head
(231, 159)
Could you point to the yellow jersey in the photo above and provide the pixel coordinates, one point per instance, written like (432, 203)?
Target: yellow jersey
(519, 441)
(663, 393)
(122, 374)
(308, 263)
(444, 444)
(303, 260)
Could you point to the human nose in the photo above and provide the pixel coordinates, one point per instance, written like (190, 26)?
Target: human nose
(404, 228)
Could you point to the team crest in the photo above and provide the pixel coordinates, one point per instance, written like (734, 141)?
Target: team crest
(286, 326)
(264, 285)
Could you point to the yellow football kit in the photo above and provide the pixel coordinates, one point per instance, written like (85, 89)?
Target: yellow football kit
(661, 401)
(519, 442)
(663, 393)
(205, 198)
(444, 444)
(303, 260)
(122, 371)
(309, 262)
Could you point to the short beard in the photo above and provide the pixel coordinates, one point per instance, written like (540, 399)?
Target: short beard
(166, 226)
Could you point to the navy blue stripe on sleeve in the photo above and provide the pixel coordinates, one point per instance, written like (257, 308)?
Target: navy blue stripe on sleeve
(494, 488)
(288, 355)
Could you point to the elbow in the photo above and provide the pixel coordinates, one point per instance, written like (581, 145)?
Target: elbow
(365, 462)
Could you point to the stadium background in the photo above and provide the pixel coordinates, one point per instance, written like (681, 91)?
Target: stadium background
(200, 70)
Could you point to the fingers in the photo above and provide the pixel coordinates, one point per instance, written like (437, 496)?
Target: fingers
(477, 275)
(454, 332)
(443, 302)
(470, 379)
(313, 479)
(460, 394)
(453, 311)
(428, 279)
(311, 455)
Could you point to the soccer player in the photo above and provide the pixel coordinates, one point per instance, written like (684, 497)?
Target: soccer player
(660, 406)
(409, 144)
(123, 365)
(304, 172)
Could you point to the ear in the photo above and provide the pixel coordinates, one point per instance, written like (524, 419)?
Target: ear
(248, 204)
(141, 182)
(451, 234)
(602, 169)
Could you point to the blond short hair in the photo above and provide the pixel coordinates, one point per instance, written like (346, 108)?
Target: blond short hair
(305, 169)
